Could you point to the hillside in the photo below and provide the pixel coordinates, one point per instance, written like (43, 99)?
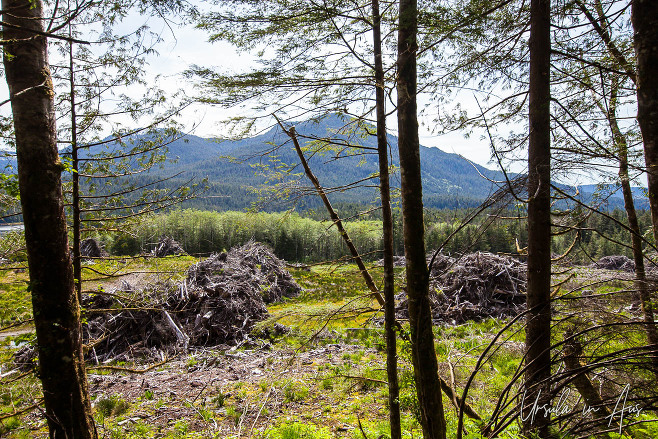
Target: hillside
(234, 170)
(231, 167)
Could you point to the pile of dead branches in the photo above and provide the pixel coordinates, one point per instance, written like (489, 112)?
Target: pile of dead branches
(622, 263)
(474, 287)
(218, 303)
(90, 248)
(398, 261)
(256, 267)
(167, 246)
(230, 291)
(126, 324)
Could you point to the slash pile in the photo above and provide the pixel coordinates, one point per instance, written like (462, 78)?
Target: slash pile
(167, 246)
(474, 287)
(617, 262)
(218, 303)
(92, 249)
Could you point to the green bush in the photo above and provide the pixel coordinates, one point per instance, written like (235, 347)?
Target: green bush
(112, 406)
(8, 425)
(295, 391)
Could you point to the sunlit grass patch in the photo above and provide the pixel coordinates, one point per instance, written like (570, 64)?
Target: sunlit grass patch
(15, 300)
(297, 430)
(309, 317)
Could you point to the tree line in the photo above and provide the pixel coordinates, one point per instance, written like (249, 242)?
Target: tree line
(308, 238)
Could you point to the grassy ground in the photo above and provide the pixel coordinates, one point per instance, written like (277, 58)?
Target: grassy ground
(323, 379)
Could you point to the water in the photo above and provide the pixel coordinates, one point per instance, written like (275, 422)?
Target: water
(4, 228)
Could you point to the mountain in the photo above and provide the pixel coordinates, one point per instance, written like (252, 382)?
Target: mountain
(448, 179)
(230, 167)
(614, 194)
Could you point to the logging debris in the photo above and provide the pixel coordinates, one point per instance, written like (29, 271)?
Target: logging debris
(617, 262)
(252, 265)
(398, 261)
(476, 286)
(218, 303)
(167, 246)
(90, 248)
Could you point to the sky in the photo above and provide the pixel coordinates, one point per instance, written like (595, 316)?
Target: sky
(189, 46)
(183, 45)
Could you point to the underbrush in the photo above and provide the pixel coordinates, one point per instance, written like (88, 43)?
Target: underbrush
(15, 303)
(325, 377)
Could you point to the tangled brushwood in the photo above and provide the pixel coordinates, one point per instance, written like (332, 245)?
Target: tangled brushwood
(218, 303)
(250, 267)
(618, 262)
(167, 246)
(90, 248)
(474, 287)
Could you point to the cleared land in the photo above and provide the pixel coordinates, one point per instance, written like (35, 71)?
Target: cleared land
(323, 377)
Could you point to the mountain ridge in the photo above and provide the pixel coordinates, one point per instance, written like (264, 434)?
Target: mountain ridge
(449, 180)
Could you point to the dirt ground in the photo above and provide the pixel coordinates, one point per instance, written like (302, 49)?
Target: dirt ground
(222, 393)
(241, 392)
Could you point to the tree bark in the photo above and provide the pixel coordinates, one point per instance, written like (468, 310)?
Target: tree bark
(571, 356)
(428, 386)
(387, 229)
(644, 17)
(641, 284)
(54, 301)
(538, 326)
(75, 180)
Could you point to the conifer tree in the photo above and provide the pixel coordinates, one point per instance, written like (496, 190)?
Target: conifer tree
(55, 304)
(428, 386)
(644, 17)
(538, 323)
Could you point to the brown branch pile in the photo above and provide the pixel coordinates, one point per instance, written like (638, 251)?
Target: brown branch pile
(253, 263)
(623, 263)
(217, 304)
(168, 246)
(398, 261)
(476, 286)
(118, 329)
(90, 248)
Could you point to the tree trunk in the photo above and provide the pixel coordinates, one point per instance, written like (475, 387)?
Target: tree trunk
(571, 355)
(644, 16)
(75, 180)
(387, 229)
(641, 284)
(333, 215)
(538, 326)
(54, 301)
(428, 386)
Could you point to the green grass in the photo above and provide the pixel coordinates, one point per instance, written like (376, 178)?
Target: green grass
(297, 430)
(112, 406)
(335, 389)
(295, 391)
(15, 301)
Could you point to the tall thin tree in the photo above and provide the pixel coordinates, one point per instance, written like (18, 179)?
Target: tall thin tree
(538, 325)
(387, 229)
(644, 17)
(55, 304)
(428, 386)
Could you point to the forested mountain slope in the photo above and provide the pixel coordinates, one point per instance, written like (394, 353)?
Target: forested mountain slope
(449, 180)
(233, 167)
